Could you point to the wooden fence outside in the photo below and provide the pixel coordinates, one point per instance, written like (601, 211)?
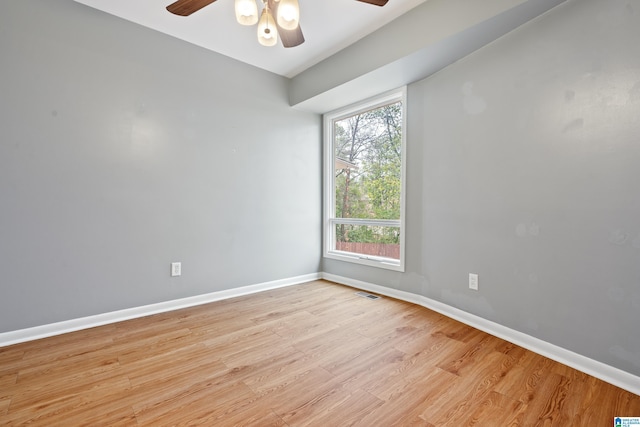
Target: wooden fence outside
(387, 250)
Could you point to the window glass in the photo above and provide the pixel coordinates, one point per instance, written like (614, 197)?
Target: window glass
(364, 148)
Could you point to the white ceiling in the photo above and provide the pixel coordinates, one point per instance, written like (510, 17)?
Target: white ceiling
(328, 27)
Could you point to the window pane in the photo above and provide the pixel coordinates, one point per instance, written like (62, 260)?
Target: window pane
(364, 169)
(378, 241)
(368, 163)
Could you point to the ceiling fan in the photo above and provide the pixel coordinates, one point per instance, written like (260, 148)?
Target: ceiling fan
(287, 23)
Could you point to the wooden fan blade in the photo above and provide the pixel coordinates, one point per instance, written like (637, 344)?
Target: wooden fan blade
(290, 38)
(375, 2)
(187, 7)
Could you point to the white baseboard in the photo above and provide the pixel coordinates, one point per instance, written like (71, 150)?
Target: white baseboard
(58, 328)
(600, 370)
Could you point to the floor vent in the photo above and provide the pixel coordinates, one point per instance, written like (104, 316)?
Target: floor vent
(367, 295)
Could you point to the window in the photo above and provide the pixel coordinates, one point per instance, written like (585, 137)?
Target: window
(364, 182)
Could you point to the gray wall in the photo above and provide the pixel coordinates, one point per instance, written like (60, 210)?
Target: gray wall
(524, 168)
(122, 149)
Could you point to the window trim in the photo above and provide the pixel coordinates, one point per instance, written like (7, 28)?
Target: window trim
(329, 220)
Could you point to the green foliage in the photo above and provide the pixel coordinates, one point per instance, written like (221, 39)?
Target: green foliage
(370, 188)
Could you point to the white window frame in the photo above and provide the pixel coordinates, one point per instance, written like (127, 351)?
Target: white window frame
(329, 220)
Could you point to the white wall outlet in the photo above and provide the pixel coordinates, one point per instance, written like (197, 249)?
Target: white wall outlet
(176, 269)
(473, 281)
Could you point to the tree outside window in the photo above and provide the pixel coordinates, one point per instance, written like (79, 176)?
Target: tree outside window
(366, 204)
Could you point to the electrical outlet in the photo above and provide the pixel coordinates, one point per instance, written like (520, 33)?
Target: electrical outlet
(176, 269)
(473, 281)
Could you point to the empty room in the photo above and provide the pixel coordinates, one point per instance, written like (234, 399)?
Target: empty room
(320, 213)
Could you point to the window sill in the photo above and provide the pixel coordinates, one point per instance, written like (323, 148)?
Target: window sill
(372, 261)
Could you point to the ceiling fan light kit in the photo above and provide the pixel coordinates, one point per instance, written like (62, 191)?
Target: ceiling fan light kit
(267, 31)
(246, 12)
(288, 14)
(286, 24)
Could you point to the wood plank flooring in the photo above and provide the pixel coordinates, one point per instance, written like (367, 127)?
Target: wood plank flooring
(309, 355)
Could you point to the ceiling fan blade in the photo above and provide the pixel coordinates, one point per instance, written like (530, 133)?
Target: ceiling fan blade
(290, 38)
(375, 2)
(187, 7)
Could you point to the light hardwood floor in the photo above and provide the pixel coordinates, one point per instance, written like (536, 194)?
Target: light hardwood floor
(314, 354)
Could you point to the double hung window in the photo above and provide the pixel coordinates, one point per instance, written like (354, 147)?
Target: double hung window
(364, 182)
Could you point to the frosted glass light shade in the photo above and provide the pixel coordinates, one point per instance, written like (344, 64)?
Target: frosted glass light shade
(289, 14)
(267, 31)
(246, 12)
